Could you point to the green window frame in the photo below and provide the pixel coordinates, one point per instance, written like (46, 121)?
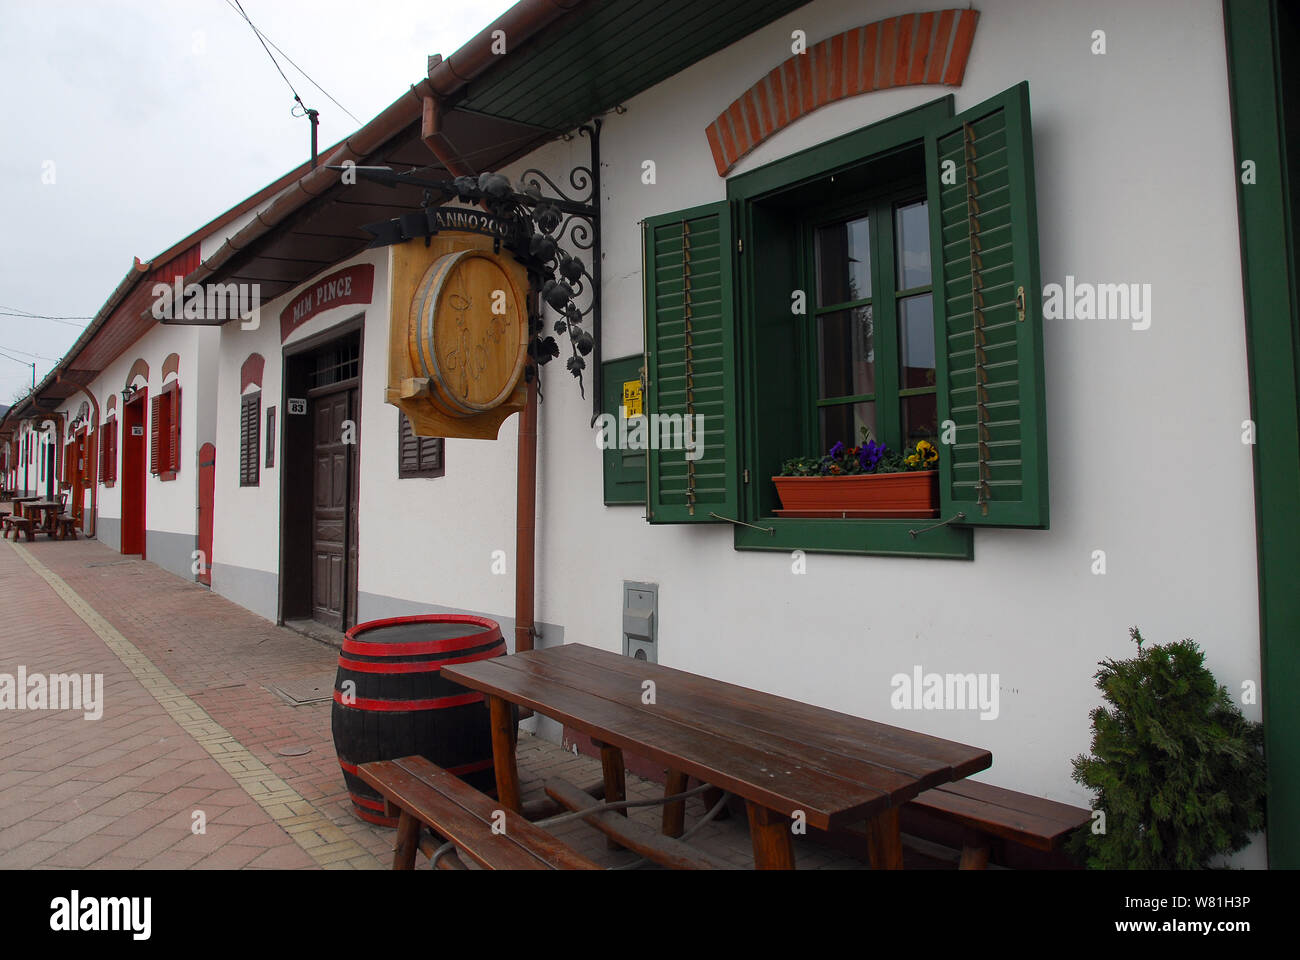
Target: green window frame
(747, 351)
(624, 470)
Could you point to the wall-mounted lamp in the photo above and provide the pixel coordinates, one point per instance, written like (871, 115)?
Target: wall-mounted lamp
(127, 393)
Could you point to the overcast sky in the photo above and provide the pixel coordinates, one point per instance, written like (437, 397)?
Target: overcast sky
(153, 118)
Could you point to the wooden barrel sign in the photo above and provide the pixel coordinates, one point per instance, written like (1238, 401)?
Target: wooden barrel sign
(468, 334)
(391, 700)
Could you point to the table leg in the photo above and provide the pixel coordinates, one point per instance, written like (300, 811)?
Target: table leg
(772, 838)
(611, 765)
(408, 842)
(503, 753)
(884, 843)
(675, 812)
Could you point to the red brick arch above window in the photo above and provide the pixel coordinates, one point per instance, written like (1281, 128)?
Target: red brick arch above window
(251, 371)
(915, 48)
(112, 404)
(171, 365)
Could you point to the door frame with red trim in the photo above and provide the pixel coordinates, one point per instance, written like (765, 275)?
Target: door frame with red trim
(207, 507)
(135, 472)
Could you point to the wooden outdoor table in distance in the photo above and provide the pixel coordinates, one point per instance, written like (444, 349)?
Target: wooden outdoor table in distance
(780, 755)
(50, 508)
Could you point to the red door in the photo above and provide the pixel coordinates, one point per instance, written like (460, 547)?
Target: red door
(76, 499)
(135, 463)
(207, 502)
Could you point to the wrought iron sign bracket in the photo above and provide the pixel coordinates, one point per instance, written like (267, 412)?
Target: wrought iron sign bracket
(580, 231)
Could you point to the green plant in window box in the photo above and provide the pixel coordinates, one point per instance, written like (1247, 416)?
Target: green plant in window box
(864, 481)
(1178, 772)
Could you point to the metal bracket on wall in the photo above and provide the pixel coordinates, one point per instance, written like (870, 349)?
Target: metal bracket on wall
(580, 230)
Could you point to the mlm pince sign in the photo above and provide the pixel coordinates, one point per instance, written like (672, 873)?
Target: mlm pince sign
(355, 284)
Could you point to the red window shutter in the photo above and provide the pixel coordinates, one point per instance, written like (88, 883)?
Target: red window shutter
(112, 456)
(103, 451)
(174, 429)
(155, 433)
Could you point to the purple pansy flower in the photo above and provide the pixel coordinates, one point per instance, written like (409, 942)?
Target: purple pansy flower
(837, 451)
(869, 455)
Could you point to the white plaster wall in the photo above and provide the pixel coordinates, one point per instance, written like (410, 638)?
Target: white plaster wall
(1134, 176)
(1135, 184)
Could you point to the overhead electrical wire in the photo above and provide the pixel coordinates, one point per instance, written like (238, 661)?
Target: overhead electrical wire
(28, 353)
(25, 363)
(264, 40)
(27, 315)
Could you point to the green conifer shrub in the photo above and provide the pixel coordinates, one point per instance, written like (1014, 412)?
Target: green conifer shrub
(1177, 769)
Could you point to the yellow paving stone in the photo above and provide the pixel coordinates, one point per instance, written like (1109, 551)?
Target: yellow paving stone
(291, 823)
(348, 849)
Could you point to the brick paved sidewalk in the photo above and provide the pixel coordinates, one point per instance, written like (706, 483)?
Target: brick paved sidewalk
(193, 721)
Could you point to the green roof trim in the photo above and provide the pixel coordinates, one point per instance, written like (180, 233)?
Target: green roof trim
(580, 67)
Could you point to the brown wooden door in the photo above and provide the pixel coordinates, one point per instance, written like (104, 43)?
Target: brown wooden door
(331, 513)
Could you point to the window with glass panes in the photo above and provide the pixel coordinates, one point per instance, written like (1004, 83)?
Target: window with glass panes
(872, 335)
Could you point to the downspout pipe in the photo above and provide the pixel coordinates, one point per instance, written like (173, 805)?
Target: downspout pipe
(526, 524)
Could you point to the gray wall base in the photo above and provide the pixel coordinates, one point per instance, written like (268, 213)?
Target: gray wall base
(174, 552)
(255, 590)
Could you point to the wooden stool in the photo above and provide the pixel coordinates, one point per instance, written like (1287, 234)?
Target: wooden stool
(21, 525)
(66, 527)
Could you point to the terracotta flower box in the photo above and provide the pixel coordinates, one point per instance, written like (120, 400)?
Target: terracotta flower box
(911, 494)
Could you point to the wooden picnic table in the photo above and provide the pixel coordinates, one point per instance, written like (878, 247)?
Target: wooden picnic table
(781, 756)
(45, 512)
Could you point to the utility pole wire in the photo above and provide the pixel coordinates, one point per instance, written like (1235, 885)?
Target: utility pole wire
(258, 33)
(25, 363)
(26, 315)
(28, 353)
(264, 40)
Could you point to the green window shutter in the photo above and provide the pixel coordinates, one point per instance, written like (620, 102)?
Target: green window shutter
(624, 470)
(988, 314)
(690, 363)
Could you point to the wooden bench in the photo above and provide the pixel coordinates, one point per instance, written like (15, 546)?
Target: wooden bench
(992, 815)
(65, 527)
(421, 794)
(16, 525)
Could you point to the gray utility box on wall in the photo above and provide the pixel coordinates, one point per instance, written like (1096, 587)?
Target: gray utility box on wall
(640, 613)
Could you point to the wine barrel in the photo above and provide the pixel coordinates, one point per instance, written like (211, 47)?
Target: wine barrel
(468, 333)
(391, 700)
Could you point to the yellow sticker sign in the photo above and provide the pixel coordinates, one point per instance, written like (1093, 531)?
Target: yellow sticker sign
(631, 398)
